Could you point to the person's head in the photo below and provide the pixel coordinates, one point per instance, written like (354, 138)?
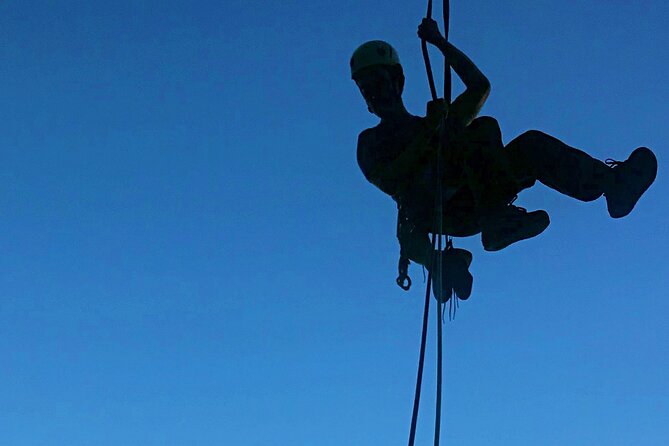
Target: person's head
(376, 69)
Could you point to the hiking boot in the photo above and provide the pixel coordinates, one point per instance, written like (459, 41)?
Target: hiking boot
(510, 225)
(631, 178)
(454, 274)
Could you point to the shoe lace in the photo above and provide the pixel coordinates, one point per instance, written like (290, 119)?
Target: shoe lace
(612, 163)
(454, 304)
(515, 197)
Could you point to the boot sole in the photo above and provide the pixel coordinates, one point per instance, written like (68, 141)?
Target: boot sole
(522, 236)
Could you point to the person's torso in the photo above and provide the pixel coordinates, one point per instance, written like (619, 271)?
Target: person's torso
(387, 143)
(415, 192)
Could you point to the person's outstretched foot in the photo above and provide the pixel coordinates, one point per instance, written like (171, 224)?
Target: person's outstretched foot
(631, 178)
(454, 275)
(511, 224)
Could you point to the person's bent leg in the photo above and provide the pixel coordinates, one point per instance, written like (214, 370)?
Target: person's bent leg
(487, 170)
(534, 155)
(491, 178)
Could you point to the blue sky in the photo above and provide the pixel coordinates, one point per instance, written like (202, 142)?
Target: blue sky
(189, 254)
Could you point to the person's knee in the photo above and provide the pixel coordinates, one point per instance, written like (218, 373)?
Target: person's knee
(527, 141)
(483, 143)
(529, 146)
(524, 153)
(485, 129)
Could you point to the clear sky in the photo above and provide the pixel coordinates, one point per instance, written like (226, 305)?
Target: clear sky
(189, 254)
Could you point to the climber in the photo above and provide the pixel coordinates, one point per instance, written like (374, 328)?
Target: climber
(480, 177)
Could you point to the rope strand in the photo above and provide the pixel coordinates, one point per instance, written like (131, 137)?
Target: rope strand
(437, 231)
(421, 357)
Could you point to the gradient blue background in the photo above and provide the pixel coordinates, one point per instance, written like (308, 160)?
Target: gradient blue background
(189, 254)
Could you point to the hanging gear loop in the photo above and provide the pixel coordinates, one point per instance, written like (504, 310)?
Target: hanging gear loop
(403, 280)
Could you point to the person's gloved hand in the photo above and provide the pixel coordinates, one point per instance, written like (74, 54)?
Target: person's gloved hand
(428, 30)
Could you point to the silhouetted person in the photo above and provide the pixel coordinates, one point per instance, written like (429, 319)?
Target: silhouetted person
(480, 177)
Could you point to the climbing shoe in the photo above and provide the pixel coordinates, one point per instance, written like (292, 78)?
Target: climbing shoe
(454, 275)
(631, 178)
(510, 225)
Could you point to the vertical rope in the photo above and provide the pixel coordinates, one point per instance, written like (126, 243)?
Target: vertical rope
(426, 310)
(440, 222)
(426, 57)
(421, 359)
(447, 66)
(437, 231)
(437, 419)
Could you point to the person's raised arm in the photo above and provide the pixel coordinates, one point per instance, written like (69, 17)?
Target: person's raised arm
(468, 105)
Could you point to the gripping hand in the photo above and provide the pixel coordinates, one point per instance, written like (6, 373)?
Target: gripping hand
(428, 30)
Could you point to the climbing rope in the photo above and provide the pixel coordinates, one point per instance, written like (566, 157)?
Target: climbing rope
(437, 232)
(421, 360)
(443, 143)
